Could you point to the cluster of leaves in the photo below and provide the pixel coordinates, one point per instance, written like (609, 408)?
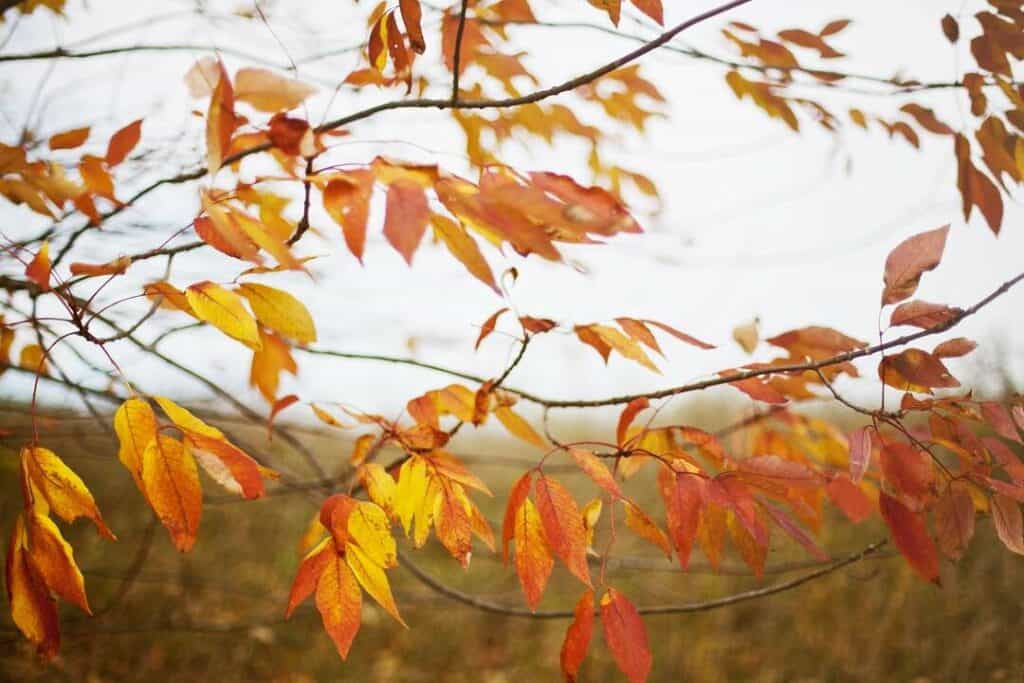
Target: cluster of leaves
(929, 468)
(778, 62)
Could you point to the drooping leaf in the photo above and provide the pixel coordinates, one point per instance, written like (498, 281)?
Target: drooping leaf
(911, 536)
(405, 217)
(860, 452)
(596, 470)
(220, 120)
(268, 92)
(954, 521)
(629, 413)
(563, 526)
(577, 636)
(1006, 517)
(516, 498)
(135, 425)
(340, 603)
(32, 609)
(372, 578)
(626, 636)
(38, 269)
(308, 574)
(533, 556)
(172, 488)
(54, 561)
(63, 490)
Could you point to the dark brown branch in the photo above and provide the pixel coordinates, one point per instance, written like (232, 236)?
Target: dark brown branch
(457, 55)
(703, 606)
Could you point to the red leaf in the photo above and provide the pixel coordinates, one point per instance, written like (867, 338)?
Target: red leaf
(577, 637)
(954, 521)
(488, 327)
(796, 532)
(911, 537)
(411, 14)
(849, 498)
(625, 636)
(683, 502)
(1006, 518)
(279, 405)
(908, 470)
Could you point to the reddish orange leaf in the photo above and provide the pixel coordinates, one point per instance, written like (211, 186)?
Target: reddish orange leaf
(683, 498)
(69, 139)
(923, 314)
(626, 636)
(308, 574)
(405, 217)
(123, 142)
(220, 120)
(954, 521)
(1006, 517)
(910, 259)
(629, 413)
(645, 527)
(411, 16)
(849, 498)
(915, 370)
(347, 200)
(340, 602)
(954, 348)
(577, 637)
(488, 327)
(563, 526)
(116, 267)
(651, 8)
(38, 269)
(911, 537)
(596, 470)
(516, 497)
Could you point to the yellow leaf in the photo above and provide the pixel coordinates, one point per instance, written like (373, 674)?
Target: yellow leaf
(32, 358)
(223, 309)
(410, 490)
(32, 610)
(368, 526)
(464, 248)
(373, 580)
(172, 487)
(379, 485)
(63, 490)
(268, 92)
(515, 424)
(52, 558)
(280, 311)
(135, 424)
(186, 420)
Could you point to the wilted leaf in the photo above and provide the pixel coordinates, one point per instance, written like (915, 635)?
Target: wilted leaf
(910, 259)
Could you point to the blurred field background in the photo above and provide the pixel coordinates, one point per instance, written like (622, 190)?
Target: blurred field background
(216, 614)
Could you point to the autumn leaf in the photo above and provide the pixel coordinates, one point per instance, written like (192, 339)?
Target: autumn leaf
(136, 427)
(116, 267)
(373, 580)
(577, 636)
(646, 528)
(516, 498)
(69, 139)
(171, 483)
(411, 16)
(308, 574)
(62, 489)
(596, 470)
(268, 92)
(910, 259)
(911, 537)
(280, 311)
(563, 526)
(488, 327)
(223, 309)
(405, 217)
(924, 315)
(339, 601)
(954, 521)
(38, 269)
(683, 497)
(626, 636)
(915, 370)
(32, 609)
(464, 248)
(54, 561)
(1006, 517)
(533, 555)
(123, 142)
(850, 498)
(629, 413)
(220, 120)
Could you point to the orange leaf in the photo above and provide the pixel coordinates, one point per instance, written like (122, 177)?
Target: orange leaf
(1006, 517)
(577, 636)
(682, 494)
(651, 8)
(519, 427)
(347, 200)
(516, 497)
(405, 217)
(954, 521)
(116, 267)
(136, 427)
(533, 556)
(915, 370)
(220, 120)
(626, 636)
(172, 487)
(563, 526)
(911, 537)
(488, 327)
(38, 269)
(908, 470)
(411, 17)
(268, 92)
(596, 470)
(923, 314)
(339, 602)
(849, 498)
(629, 413)
(910, 259)
(69, 139)
(308, 574)
(123, 142)
(243, 474)
(645, 527)
(464, 248)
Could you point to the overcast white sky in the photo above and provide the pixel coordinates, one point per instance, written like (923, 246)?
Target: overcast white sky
(756, 221)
